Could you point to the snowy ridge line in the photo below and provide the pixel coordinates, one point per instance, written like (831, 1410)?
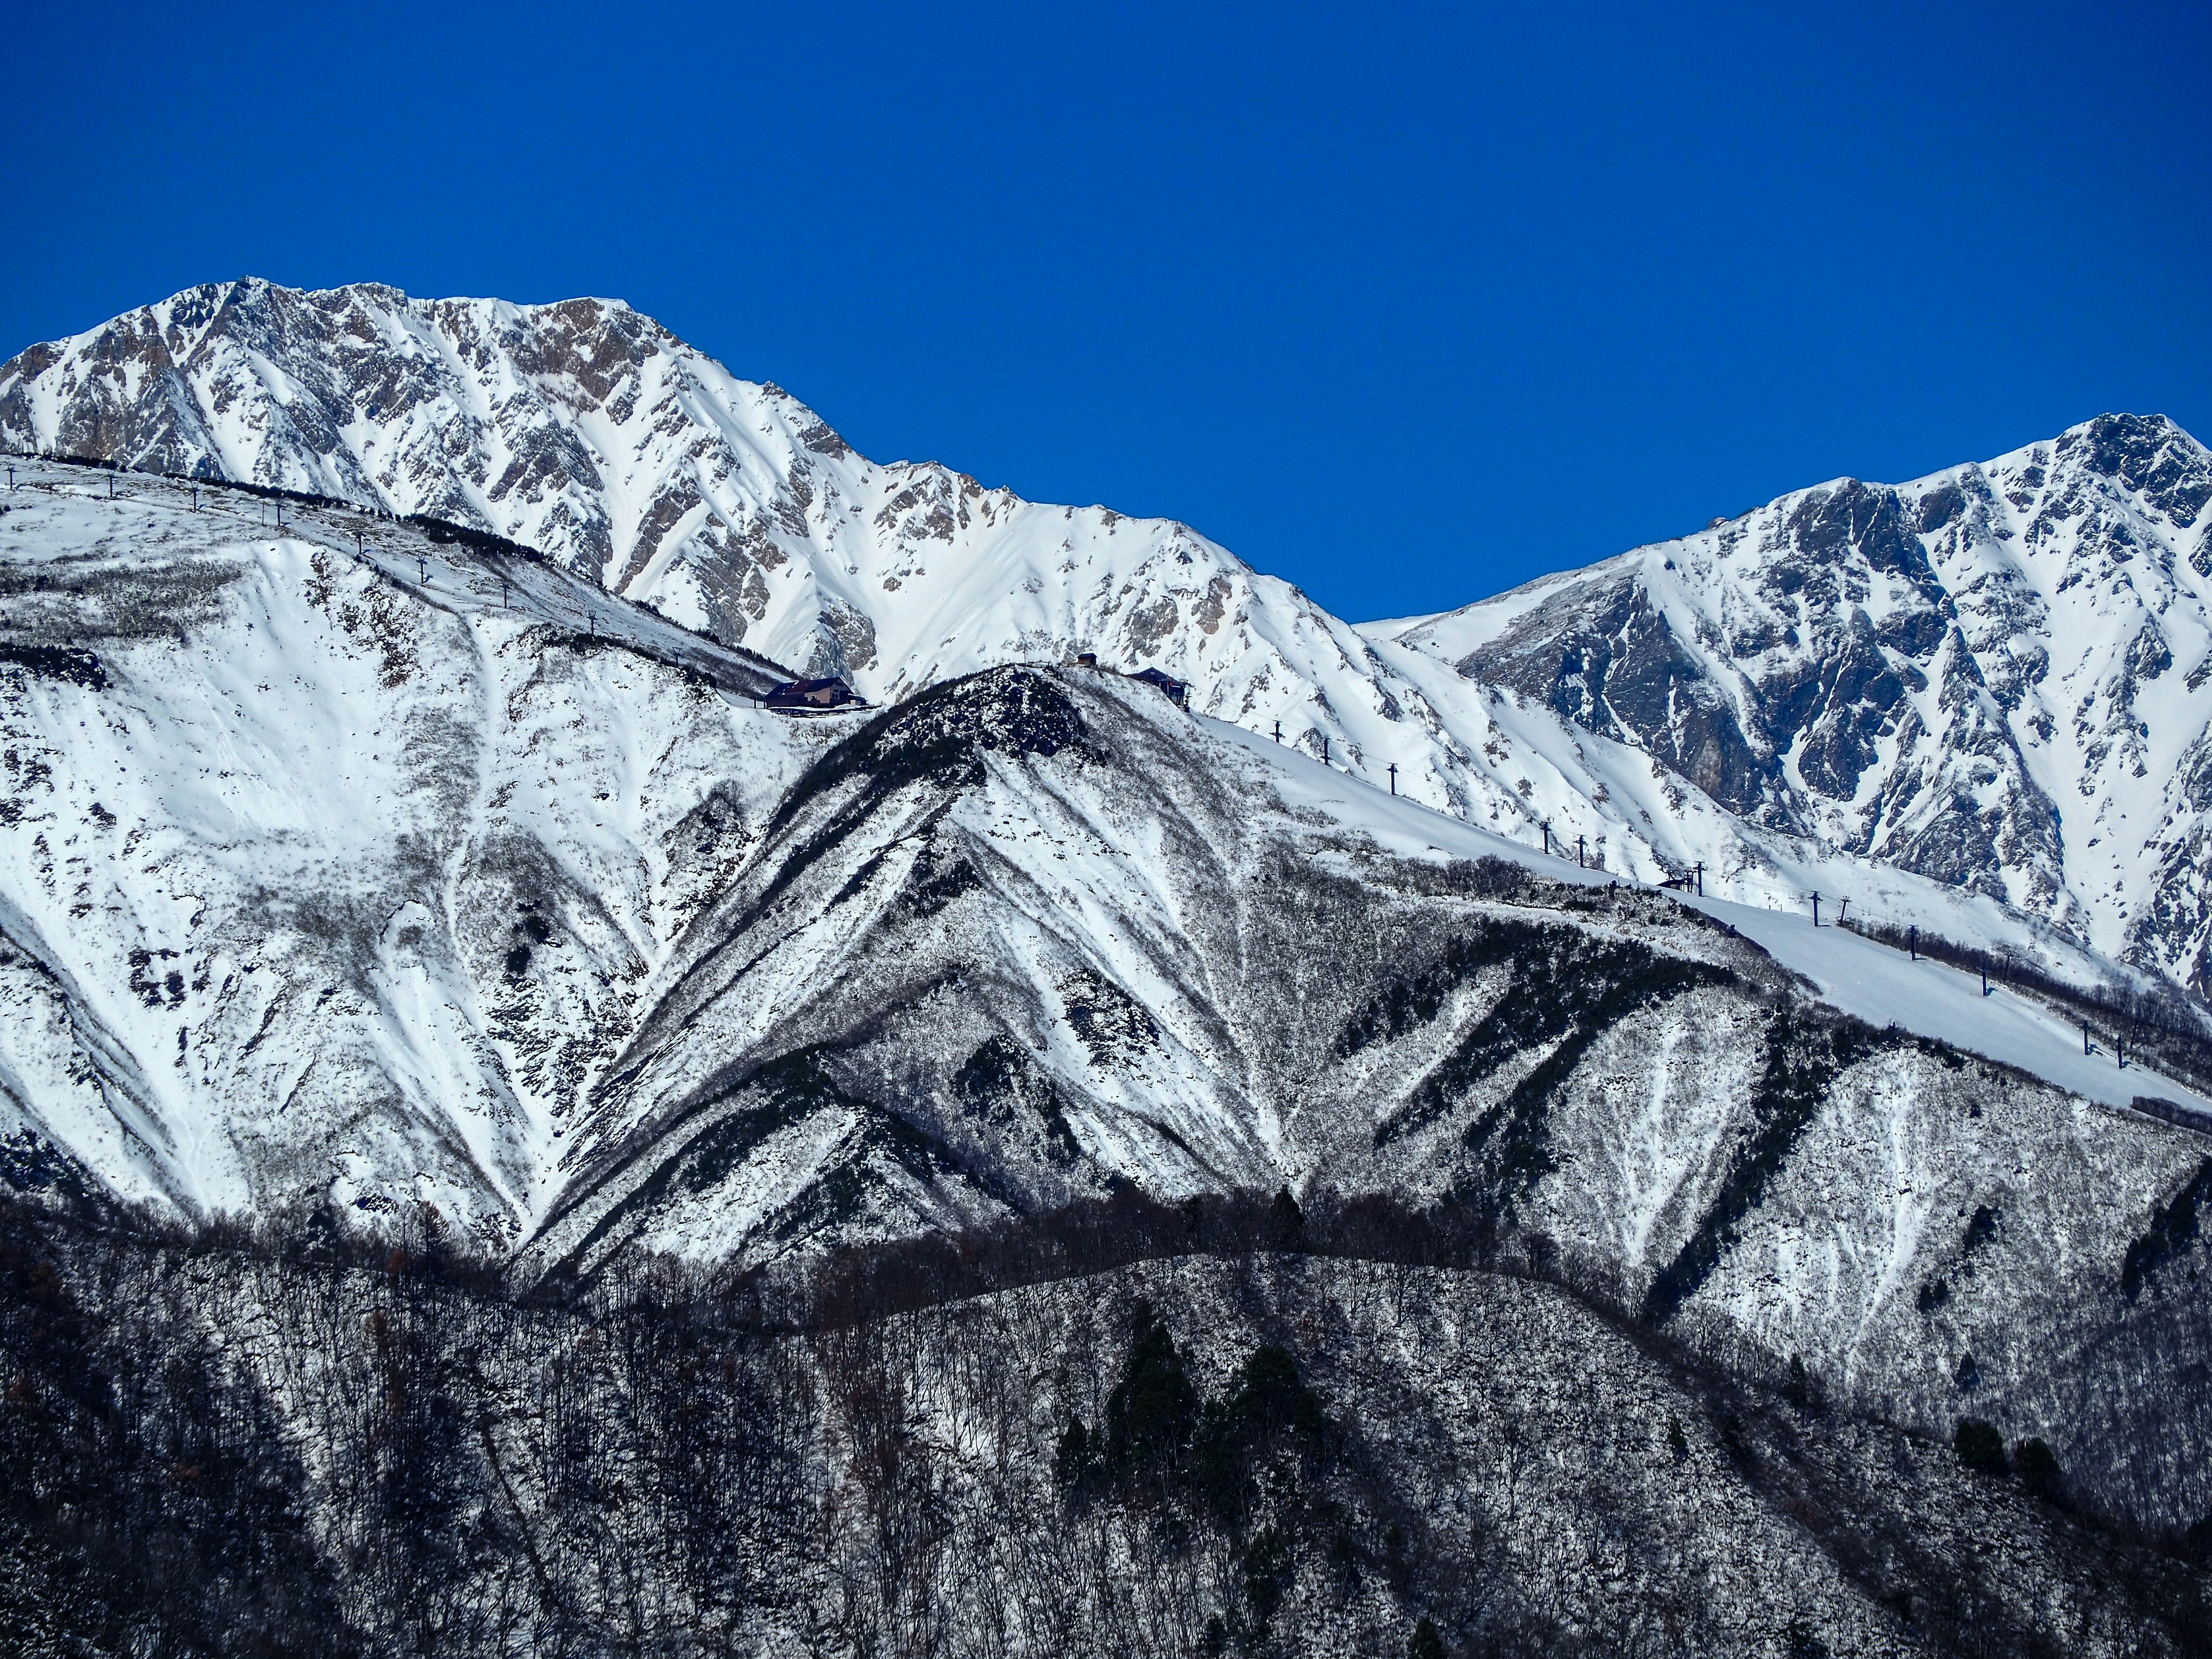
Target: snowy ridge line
(2155, 1009)
(357, 876)
(2025, 946)
(440, 531)
(662, 638)
(552, 587)
(266, 492)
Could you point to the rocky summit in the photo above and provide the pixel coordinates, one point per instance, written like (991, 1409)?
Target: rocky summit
(1994, 677)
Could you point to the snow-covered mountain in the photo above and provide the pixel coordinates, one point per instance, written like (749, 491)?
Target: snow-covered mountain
(1995, 676)
(348, 876)
(591, 432)
(1989, 678)
(290, 827)
(361, 880)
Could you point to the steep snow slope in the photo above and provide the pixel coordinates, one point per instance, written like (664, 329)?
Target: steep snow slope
(589, 431)
(363, 882)
(319, 875)
(1037, 932)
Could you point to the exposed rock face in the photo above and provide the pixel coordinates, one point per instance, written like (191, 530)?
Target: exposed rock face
(1618, 670)
(1972, 677)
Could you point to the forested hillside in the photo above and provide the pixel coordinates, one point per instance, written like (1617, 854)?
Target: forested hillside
(1235, 1428)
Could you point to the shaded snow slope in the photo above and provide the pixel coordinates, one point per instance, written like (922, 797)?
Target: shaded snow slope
(339, 879)
(346, 866)
(1864, 979)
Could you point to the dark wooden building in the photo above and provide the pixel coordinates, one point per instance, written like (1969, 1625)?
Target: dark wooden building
(810, 696)
(1176, 691)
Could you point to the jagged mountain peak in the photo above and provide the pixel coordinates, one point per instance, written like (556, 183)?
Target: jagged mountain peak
(586, 430)
(1967, 676)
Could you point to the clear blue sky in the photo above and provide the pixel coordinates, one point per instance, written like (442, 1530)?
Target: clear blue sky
(1406, 304)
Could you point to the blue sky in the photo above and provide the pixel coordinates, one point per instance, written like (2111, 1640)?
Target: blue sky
(1406, 304)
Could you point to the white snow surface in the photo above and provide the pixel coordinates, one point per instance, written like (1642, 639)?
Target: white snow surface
(264, 893)
(259, 887)
(1930, 999)
(1999, 675)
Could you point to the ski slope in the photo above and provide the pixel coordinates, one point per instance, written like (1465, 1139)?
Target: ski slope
(1853, 974)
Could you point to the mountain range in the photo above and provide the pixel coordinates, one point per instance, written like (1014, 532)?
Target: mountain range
(401, 861)
(1993, 678)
